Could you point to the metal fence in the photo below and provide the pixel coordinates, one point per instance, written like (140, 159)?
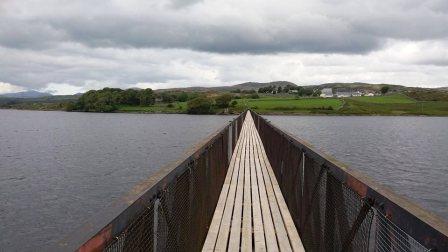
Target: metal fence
(334, 208)
(175, 209)
(337, 209)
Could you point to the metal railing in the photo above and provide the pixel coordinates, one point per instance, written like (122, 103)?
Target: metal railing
(338, 209)
(334, 208)
(173, 209)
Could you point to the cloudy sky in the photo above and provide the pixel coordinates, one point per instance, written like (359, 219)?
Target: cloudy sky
(66, 46)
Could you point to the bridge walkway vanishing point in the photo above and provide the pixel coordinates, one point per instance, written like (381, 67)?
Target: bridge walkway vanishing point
(252, 186)
(251, 213)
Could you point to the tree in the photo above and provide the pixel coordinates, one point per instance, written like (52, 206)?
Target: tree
(249, 91)
(279, 89)
(104, 100)
(108, 99)
(200, 105)
(233, 104)
(254, 96)
(270, 89)
(130, 97)
(70, 106)
(384, 89)
(223, 100)
(146, 97)
(305, 91)
(182, 97)
(167, 97)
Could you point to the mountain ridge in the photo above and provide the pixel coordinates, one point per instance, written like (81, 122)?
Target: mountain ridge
(257, 85)
(26, 94)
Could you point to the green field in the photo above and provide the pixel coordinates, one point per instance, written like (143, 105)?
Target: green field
(290, 105)
(354, 107)
(387, 99)
(394, 104)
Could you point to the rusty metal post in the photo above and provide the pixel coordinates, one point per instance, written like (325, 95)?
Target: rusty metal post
(156, 223)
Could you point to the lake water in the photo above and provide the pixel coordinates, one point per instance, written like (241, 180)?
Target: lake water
(408, 154)
(57, 169)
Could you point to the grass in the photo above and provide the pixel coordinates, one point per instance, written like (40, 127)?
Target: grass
(290, 105)
(394, 104)
(428, 95)
(386, 99)
(178, 107)
(432, 108)
(409, 103)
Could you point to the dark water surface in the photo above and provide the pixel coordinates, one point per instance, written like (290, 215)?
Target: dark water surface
(408, 154)
(57, 169)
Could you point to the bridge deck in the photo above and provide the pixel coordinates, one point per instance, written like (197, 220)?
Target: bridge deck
(251, 213)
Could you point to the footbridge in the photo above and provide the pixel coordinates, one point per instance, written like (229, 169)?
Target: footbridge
(253, 187)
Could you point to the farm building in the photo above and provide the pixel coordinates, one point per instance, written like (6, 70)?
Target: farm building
(326, 92)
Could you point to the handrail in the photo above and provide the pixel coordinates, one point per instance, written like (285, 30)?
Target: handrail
(116, 219)
(420, 224)
(173, 208)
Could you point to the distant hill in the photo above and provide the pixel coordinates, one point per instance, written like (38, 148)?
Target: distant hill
(257, 85)
(26, 94)
(242, 86)
(361, 85)
(43, 99)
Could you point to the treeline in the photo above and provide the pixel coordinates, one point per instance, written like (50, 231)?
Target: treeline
(209, 105)
(300, 91)
(109, 99)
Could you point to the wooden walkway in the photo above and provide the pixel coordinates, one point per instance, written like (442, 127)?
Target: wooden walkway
(251, 213)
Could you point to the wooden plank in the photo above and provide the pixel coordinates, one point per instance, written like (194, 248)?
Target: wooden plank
(246, 234)
(269, 230)
(259, 240)
(235, 231)
(251, 200)
(280, 229)
(213, 231)
(294, 238)
(223, 235)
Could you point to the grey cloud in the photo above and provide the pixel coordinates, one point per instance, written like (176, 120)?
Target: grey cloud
(232, 37)
(35, 69)
(183, 3)
(336, 27)
(29, 34)
(441, 62)
(196, 42)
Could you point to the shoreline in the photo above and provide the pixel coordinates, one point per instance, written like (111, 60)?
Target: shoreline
(237, 113)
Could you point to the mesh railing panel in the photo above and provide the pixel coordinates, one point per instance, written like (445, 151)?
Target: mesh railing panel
(389, 237)
(328, 214)
(177, 217)
(138, 236)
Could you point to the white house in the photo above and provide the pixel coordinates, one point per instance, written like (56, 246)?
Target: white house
(343, 92)
(326, 92)
(357, 93)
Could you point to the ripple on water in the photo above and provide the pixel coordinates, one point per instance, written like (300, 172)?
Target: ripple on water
(408, 154)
